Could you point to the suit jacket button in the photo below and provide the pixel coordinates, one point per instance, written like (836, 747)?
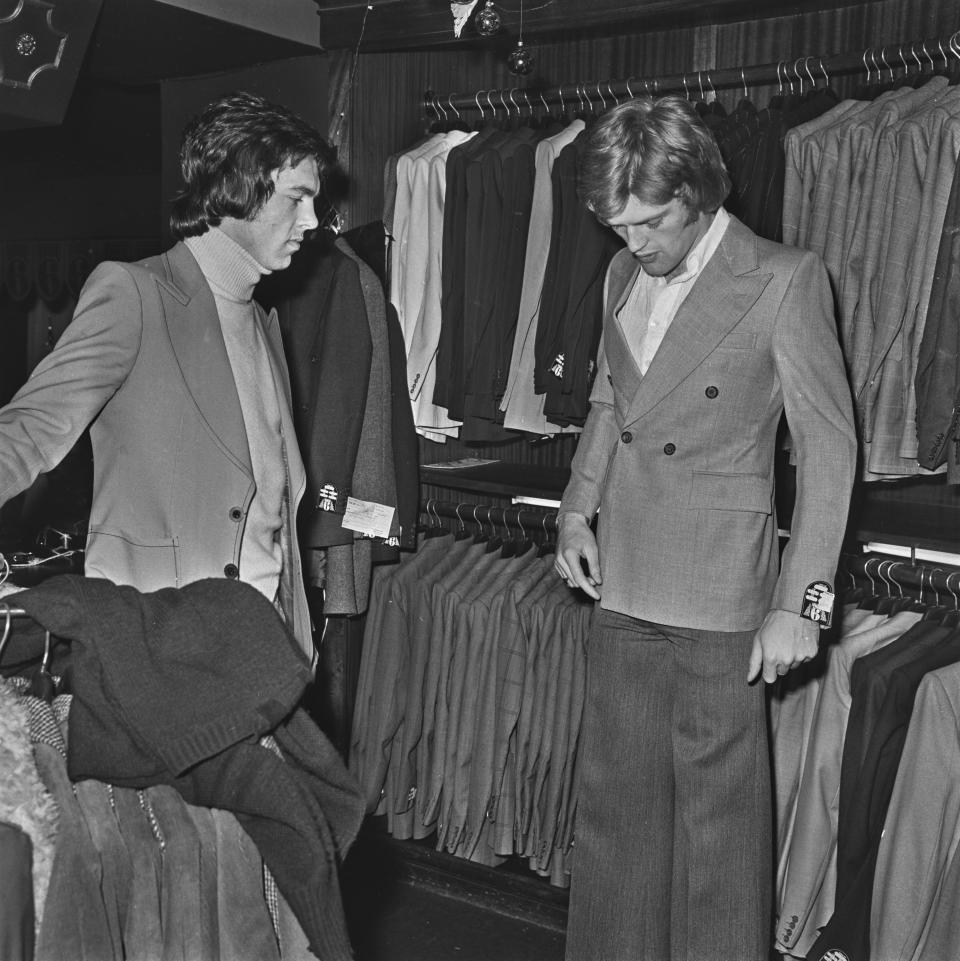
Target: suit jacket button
(236, 514)
(669, 449)
(626, 437)
(231, 571)
(711, 392)
(609, 379)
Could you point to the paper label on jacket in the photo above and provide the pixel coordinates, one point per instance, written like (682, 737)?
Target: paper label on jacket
(368, 518)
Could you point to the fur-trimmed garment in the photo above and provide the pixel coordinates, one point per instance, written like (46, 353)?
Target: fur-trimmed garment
(24, 801)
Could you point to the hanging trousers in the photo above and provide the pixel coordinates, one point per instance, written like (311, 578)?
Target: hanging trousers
(673, 850)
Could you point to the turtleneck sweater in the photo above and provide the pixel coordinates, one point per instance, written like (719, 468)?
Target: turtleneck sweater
(232, 274)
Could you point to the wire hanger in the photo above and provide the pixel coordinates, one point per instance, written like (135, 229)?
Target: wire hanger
(483, 118)
(6, 627)
(548, 546)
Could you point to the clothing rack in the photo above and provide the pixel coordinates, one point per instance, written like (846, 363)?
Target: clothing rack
(525, 521)
(876, 63)
(896, 573)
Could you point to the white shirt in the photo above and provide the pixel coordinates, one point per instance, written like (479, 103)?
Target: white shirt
(647, 313)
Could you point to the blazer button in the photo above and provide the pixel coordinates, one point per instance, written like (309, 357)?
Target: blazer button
(669, 449)
(231, 571)
(711, 392)
(626, 437)
(236, 514)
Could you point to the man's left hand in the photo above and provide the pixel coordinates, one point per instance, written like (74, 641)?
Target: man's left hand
(785, 641)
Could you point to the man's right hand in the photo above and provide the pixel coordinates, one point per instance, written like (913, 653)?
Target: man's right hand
(576, 543)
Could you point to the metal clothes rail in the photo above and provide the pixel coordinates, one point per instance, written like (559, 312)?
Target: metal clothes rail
(524, 521)
(896, 573)
(876, 63)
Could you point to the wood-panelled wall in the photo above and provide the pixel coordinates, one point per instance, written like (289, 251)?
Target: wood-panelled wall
(376, 99)
(383, 113)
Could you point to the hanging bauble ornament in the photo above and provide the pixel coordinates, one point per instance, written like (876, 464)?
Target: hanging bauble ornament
(488, 20)
(520, 60)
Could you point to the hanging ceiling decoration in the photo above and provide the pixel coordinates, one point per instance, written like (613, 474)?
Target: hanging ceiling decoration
(488, 21)
(520, 60)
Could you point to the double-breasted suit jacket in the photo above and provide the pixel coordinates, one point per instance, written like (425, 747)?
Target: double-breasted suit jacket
(680, 461)
(144, 364)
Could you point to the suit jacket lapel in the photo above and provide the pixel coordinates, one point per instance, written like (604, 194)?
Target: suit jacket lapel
(281, 379)
(623, 366)
(725, 291)
(192, 321)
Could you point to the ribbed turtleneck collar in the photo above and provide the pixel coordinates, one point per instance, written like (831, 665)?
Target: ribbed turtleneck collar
(230, 270)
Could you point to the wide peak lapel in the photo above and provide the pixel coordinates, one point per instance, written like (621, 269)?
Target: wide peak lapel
(723, 294)
(623, 367)
(193, 324)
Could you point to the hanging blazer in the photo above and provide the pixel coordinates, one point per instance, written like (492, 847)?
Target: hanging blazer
(319, 301)
(144, 365)
(680, 461)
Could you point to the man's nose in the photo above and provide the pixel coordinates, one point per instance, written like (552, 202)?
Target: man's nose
(636, 239)
(309, 216)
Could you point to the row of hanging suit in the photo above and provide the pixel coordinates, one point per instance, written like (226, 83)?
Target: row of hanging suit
(469, 700)
(497, 270)
(497, 277)
(872, 185)
(866, 753)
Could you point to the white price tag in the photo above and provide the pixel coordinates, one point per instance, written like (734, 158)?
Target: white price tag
(368, 518)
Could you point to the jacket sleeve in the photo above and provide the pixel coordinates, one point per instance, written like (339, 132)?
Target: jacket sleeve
(70, 386)
(819, 413)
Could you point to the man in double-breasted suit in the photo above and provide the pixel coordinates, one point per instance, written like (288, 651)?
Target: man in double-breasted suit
(181, 377)
(710, 335)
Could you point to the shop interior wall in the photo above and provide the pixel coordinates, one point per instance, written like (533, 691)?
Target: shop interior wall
(376, 110)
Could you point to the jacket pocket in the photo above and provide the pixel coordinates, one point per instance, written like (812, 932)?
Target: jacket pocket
(145, 563)
(721, 491)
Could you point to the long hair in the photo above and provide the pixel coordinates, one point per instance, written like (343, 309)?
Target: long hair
(228, 154)
(655, 150)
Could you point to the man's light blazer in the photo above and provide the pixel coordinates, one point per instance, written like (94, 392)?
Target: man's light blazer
(144, 364)
(680, 461)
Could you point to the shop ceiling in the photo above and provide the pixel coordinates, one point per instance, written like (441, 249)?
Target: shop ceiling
(140, 42)
(49, 47)
(422, 24)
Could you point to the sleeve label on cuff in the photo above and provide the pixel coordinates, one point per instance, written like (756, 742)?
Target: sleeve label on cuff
(818, 603)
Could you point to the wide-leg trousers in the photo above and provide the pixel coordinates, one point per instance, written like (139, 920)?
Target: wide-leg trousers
(673, 846)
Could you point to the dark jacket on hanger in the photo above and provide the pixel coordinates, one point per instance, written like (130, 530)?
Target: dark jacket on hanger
(367, 241)
(938, 364)
(456, 254)
(326, 338)
(571, 312)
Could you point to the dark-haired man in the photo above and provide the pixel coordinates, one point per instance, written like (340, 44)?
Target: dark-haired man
(180, 375)
(710, 335)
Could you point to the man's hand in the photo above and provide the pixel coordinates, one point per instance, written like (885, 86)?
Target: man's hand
(785, 641)
(575, 542)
